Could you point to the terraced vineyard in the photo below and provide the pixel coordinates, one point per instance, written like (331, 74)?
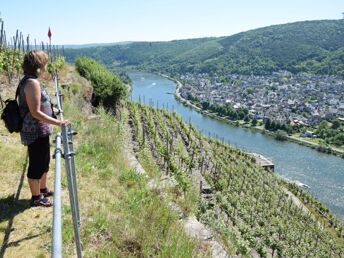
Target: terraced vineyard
(251, 209)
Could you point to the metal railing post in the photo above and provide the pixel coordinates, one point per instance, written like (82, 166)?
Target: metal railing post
(57, 225)
(71, 149)
(58, 96)
(71, 189)
(68, 155)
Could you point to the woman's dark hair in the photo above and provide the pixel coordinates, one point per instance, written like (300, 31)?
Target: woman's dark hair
(34, 62)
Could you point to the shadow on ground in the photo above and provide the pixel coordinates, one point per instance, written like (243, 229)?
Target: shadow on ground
(10, 207)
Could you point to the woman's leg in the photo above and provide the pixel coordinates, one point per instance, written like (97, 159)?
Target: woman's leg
(43, 181)
(32, 176)
(34, 186)
(39, 159)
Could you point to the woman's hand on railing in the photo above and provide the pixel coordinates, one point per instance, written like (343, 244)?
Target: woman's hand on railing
(64, 122)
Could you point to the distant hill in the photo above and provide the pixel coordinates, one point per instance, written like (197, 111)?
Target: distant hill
(308, 46)
(77, 46)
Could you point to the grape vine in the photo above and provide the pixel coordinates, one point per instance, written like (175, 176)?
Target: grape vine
(251, 208)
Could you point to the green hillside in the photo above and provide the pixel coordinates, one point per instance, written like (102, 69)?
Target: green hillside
(253, 211)
(309, 46)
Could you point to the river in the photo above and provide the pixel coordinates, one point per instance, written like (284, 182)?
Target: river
(324, 173)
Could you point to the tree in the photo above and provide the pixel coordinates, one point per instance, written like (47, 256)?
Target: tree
(339, 139)
(108, 89)
(254, 121)
(205, 105)
(267, 124)
(281, 135)
(274, 126)
(249, 90)
(335, 124)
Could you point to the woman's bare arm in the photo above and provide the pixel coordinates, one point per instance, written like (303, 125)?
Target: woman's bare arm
(33, 99)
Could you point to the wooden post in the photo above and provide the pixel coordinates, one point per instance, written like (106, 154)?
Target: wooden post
(1, 102)
(28, 43)
(55, 51)
(200, 187)
(2, 37)
(20, 41)
(216, 214)
(4, 40)
(23, 45)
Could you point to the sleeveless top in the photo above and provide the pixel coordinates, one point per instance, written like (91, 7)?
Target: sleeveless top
(32, 128)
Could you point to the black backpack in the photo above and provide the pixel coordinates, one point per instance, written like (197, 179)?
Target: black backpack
(11, 115)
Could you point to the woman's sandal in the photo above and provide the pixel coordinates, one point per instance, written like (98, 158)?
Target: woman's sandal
(43, 201)
(46, 192)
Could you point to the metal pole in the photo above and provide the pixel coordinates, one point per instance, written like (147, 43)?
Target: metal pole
(57, 226)
(71, 146)
(71, 185)
(67, 156)
(58, 97)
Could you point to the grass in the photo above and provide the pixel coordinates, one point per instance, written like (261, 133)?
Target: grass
(124, 217)
(318, 141)
(121, 216)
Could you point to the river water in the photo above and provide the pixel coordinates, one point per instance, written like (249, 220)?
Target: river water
(322, 172)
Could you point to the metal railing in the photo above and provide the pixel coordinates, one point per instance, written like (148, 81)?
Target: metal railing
(65, 138)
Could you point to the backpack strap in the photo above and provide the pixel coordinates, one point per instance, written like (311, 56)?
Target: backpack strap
(22, 82)
(18, 88)
(17, 91)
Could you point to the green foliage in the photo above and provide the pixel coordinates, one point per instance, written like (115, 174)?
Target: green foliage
(281, 135)
(333, 134)
(310, 46)
(254, 122)
(108, 89)
(10, 60)
(336, 124)
(227, 110)
(254, 211)
(124, 217)
(56, 65)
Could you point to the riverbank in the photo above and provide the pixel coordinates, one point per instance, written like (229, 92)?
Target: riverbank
(294, 139)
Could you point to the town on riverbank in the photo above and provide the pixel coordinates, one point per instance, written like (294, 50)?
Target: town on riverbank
(307, 109)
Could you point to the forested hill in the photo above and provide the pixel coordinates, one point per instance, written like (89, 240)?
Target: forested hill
(309, 46)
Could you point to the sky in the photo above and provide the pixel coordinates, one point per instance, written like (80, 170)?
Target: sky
(105, 21)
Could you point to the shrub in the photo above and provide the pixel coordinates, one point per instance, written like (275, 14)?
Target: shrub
(108, 89)
(281, 135)
(56, 65)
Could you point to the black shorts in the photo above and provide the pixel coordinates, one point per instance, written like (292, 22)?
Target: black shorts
(39, 158)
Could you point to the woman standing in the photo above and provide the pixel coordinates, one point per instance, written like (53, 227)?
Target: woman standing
(36, 111)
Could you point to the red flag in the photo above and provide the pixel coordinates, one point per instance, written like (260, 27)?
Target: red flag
(49, 34)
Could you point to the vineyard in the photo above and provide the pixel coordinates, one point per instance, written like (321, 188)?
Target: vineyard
(253, 211)
(12, 50)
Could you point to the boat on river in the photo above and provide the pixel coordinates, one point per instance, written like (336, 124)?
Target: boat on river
(298, 183)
